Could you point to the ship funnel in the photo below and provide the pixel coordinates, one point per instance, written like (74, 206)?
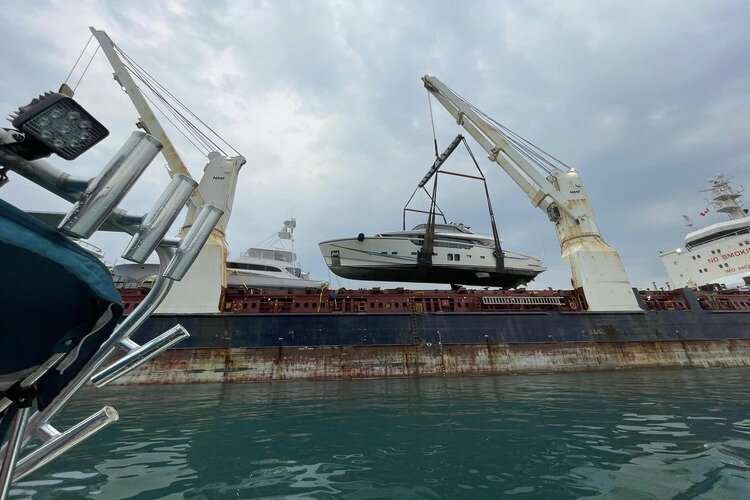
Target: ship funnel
(107, 189)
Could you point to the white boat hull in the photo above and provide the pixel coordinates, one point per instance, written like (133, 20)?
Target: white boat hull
(395, 259)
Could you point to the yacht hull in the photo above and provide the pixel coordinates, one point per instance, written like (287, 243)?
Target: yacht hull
(507, 278)
(395, 259)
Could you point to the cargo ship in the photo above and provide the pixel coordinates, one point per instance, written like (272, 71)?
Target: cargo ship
(246, 334)
(602, 323)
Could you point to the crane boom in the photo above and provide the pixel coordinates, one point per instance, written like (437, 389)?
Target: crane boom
(596, 267)
(219, 181)
(201, 290)
(147, 119)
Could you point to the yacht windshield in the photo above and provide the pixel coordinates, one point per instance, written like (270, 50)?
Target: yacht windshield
(444, 228)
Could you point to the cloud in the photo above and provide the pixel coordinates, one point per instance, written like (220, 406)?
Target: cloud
(647, 100)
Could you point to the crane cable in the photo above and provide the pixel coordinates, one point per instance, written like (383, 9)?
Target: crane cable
(159, 90)
(533, 153)
(154, 86)
(75, 65)
(78, 59)
(86, 68)
(184, 125)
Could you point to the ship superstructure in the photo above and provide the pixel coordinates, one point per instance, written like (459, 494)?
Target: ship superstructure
(718, 254)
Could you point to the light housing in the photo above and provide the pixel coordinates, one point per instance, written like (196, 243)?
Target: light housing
(55, 123)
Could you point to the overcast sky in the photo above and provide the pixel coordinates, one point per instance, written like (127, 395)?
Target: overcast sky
(646, 99)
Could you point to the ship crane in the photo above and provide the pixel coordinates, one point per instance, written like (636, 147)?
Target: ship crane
(556, 189)
(201, 289)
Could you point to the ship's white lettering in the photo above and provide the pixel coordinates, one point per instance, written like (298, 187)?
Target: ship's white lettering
(736, 253)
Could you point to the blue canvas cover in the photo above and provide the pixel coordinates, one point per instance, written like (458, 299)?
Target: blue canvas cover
(54, 297)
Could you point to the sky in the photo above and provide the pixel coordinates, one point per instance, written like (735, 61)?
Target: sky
(647, 100)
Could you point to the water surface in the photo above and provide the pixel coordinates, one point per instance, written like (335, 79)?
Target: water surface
(659, 434)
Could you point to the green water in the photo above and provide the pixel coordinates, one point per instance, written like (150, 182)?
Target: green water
(661, 434)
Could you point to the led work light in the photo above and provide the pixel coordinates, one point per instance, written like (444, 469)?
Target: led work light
(55, 123)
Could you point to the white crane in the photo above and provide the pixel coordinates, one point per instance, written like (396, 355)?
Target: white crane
(556, 189)
(200, 290)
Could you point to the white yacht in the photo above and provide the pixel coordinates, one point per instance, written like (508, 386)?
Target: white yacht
(268, 267)
(459, 256)
(718, 254)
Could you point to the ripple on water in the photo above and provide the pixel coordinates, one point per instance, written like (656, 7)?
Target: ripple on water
(657, 434)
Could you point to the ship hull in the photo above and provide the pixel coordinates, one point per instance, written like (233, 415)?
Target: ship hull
(431, 335)
(307, 330)
(350, 362)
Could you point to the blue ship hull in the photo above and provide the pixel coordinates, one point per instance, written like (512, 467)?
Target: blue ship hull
(310, 329)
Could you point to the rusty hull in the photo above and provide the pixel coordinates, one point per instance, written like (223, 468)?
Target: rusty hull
(206, 365)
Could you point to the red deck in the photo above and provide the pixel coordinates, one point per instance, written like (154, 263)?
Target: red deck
(400, 300)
